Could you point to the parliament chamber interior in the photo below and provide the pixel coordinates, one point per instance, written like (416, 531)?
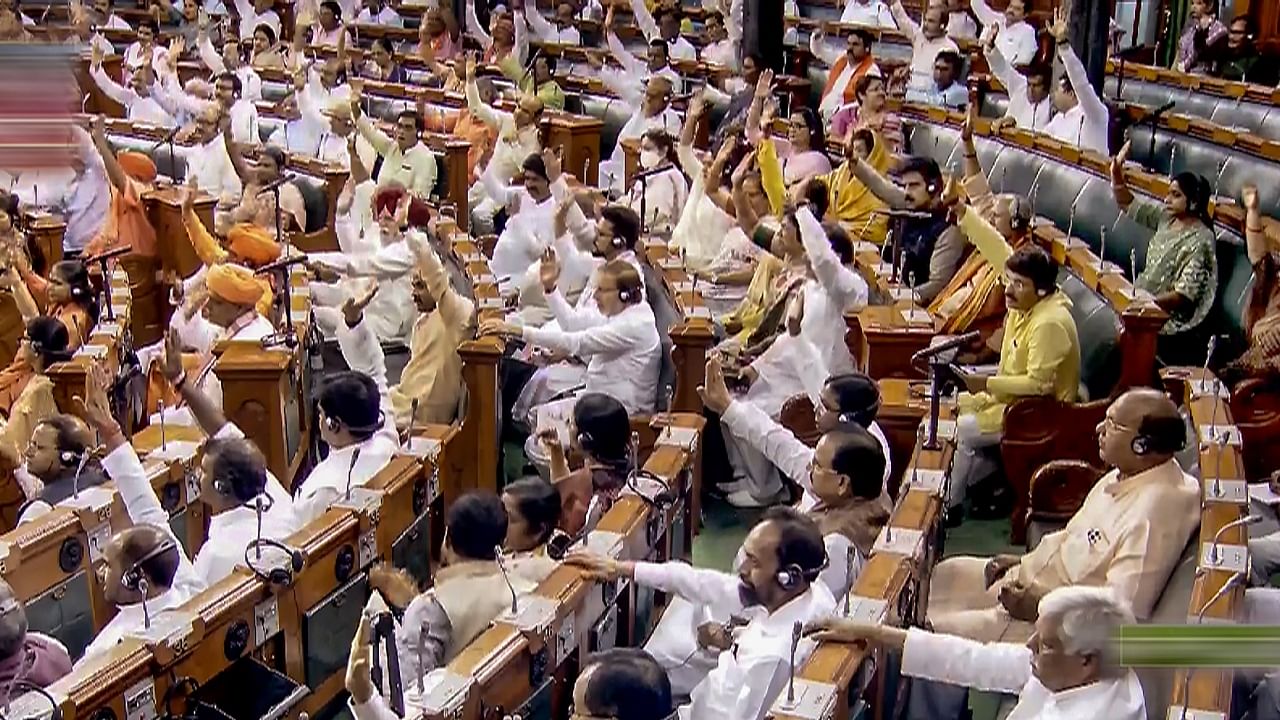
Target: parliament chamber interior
(639, 359)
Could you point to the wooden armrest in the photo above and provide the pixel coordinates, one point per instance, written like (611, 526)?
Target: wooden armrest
(1059, 488)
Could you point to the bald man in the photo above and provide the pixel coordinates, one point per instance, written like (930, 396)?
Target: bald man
(1128, 534)
(147, 571)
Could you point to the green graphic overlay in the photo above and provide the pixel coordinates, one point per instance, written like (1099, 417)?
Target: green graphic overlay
(1212, 646)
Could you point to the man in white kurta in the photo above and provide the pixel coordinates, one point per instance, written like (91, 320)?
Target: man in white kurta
(1066, 671)
(872, 13)
(1128, 534)
(1082, 119)
(927, 40)
(1016, 39)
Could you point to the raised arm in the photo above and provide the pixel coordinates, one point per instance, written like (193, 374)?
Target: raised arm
(644, 19)
(1014, 82)
(380, 141)
(985, 14)
(539, 24)
(1257, 244)
(114, 172)
(243, 171)
(906, 25)
(27, 308)
(208, 54)
(453, 308)
(111, 88)
(207, 412)
(475, 29)
(820, 49)
(206, 247)
(1093, 107)
(487, 114)
(363, 353)
(1119, 185)
(879, 185)
(835, 278)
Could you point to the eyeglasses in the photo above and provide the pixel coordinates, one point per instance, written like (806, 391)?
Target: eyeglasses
(1110, 424)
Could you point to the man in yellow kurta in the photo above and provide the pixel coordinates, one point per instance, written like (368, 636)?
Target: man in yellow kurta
(433, 376)
(1039, 353)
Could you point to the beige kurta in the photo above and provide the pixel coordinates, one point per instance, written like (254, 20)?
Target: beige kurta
(1128, 535)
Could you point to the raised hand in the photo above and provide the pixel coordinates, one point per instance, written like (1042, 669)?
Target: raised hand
(359, 682)
(970, 120)
(1249, 197)
(353, 308)
(714, 391)
(764, 84)
(172, 356)
(1117, 163)
(1058, 28)
(549, 270)
(551, 159)
(94, 407)
(697, 105)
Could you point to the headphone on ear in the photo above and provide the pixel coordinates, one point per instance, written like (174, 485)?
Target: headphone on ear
(69, 458)
(1144, 443)
(334, 425)
(624, 295)
(933, 187)
(135, 578)
(790, 577)
(280, 576)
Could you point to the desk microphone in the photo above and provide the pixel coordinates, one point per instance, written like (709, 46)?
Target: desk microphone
(281, 264)
(108, 255)
(1213, 547)
(1232, 581)
(275, 184)
(850, 556)
(796, 631)
(502, 568)
(355, 456)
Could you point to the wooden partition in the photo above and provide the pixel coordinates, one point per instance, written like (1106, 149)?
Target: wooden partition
(1225, 500)
(892, 588)
(244, 616)
(519, 663)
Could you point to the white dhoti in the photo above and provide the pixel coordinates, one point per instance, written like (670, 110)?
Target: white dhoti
(960, 605)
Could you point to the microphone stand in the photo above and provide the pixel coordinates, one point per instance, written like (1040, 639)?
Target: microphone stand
(287, 336)
(106, 278)
(384, 631)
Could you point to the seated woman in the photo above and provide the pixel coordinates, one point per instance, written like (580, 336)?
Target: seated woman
(623, 354)
(1262, 317)
(871, 112)
(659, 197)
(533, 512)
(759, 317)
(852, 204)
(797, 158)
(69, 299)
(258, 206)
(599, 431)
(267, 54)
(26, 392)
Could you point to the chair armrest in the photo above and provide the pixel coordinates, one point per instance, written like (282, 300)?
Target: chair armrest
(797, 416)
(1059, 488)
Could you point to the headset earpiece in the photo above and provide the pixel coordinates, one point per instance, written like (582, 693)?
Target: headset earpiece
(789, 577)
(1140, 445)
(68, 458)
(134, 578)
(844, 418)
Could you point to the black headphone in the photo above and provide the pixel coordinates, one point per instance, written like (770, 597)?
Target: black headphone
(1016, 218)
(1146, 443)
(135, 578)
(279, 576)
(69, 458)
(790, 577)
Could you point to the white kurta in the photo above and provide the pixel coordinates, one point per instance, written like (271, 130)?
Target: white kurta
(527, 235)
(391, 312)
(1006, 668)
(923, 50)
(662, 197)
(211, 167)
(329, 480)
(1016, 42)
(873, 14)
(144, 508)
(1085, 125)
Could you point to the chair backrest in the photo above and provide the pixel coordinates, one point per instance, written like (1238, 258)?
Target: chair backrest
(1098, 328)
(666, 316)
(315, 201)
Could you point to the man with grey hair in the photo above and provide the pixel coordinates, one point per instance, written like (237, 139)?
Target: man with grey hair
(1064, 671)
(27, 657)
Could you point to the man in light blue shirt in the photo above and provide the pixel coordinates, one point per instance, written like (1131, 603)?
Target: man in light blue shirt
(947, 89)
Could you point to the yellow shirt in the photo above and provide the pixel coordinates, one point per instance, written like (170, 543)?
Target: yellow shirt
(33, 406)
(1040, 352)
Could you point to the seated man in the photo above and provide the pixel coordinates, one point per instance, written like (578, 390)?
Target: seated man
(356, 418)
(1066, 669)
(245, 501)
(405, 159)
(774, 590)
(948, 89)
(147, 571)
(1127, 535)
(516, 139)
(530, 211)
(929, 248)
(58, 464)
(469, 592)
(31, 657)
(843, 491)
(1039, 355)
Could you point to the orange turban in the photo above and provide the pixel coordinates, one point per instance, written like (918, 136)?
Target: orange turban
(235, 284)
(252, 243)
(137, 166)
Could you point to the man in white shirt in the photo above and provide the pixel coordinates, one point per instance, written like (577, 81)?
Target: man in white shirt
(1030, 106)
(231, 60)
(635, 73)
(1066, 671)
(1015, 38)
(560, 29)
(356, 419)
(207, 159)
(376, 12)
(652, 111)
(721, 48)
(1082, 118)
(84, 201)
(873, 13)
(404, 158)
(241, 114)
(960, 22)
(136, 98)
(105, 16)
(147, 571)
(774, 589)
(298, 134)
(516, 139)
(257, 12)
(927, 40)
(666, 27)
(234, 482)
(530, 208)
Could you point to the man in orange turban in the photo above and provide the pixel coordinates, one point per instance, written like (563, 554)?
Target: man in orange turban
(137, 166)
(252, 245)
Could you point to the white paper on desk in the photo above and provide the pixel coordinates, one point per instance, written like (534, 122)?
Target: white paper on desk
(863, 246)
(682, 286)
(901, 293)
(884, 269)
(175, 450)
(916, 316)
(176, 417)
(1263, 493)
(97, 352)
